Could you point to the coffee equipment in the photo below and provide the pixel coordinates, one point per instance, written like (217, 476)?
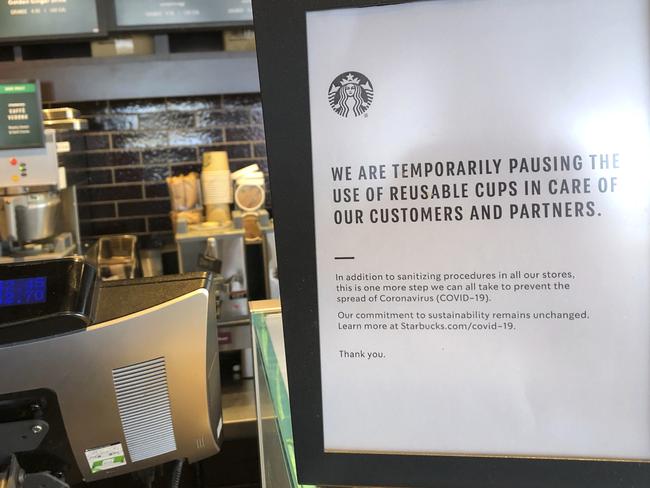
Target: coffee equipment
(38, 212)
(102, 378)
(221, 250)
(224, 241)
(32, 216)
(249, 197)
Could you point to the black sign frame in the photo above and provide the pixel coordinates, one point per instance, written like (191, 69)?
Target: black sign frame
(280, 27)
(101, 8)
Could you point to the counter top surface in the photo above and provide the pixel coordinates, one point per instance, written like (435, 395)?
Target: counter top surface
(238, 405)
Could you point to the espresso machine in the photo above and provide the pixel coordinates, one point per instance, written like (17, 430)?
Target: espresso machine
(38, 212)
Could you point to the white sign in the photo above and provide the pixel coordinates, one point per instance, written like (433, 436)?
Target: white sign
(481, 191)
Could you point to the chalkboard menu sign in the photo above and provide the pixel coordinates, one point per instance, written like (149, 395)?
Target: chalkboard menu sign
(21, 119)
(153, 13)
(40, 19)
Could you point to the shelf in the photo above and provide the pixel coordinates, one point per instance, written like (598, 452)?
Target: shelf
(125, 77)
(239, 414)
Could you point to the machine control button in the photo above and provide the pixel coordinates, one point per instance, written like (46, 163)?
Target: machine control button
(15, 178)
(13, 161)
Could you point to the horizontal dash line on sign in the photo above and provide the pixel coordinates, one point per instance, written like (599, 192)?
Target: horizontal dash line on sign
(344, 257)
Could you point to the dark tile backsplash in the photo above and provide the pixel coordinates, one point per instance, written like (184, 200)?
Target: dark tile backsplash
(142, 106)
(99, 177)
(224, 118)
(105, 193)
(250, 133)
(151, 207)
(183, 169)
(192, 104)
(113, 122)
(120, 163)
(195, 137)
(158, 224)
(140, 139)
(113, 226)
(156, 191)
(110, 158)
(259, 150)
(98, 211)
(166, 120)
(247, 100)
(170, 155)
(124, 175)
(235, 151)
(256, 115)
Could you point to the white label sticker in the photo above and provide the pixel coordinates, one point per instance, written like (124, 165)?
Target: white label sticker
(107, 457)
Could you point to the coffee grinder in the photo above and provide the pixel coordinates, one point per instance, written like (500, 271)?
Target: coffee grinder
(38, 213)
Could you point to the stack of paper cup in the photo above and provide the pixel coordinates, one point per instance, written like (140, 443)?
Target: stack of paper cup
(217, 186)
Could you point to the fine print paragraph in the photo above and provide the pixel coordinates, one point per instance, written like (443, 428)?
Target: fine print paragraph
(466, 292)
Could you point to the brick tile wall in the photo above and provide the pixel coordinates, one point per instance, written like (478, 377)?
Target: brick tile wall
(120, 163)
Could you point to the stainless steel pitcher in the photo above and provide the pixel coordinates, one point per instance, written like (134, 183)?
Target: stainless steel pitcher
(30, 217)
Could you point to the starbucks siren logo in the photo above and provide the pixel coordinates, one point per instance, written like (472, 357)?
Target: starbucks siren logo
(350, 94)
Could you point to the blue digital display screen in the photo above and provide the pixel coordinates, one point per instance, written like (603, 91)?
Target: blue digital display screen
(23, 291)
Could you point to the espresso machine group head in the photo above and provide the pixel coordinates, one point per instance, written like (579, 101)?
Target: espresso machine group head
(104, 378)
